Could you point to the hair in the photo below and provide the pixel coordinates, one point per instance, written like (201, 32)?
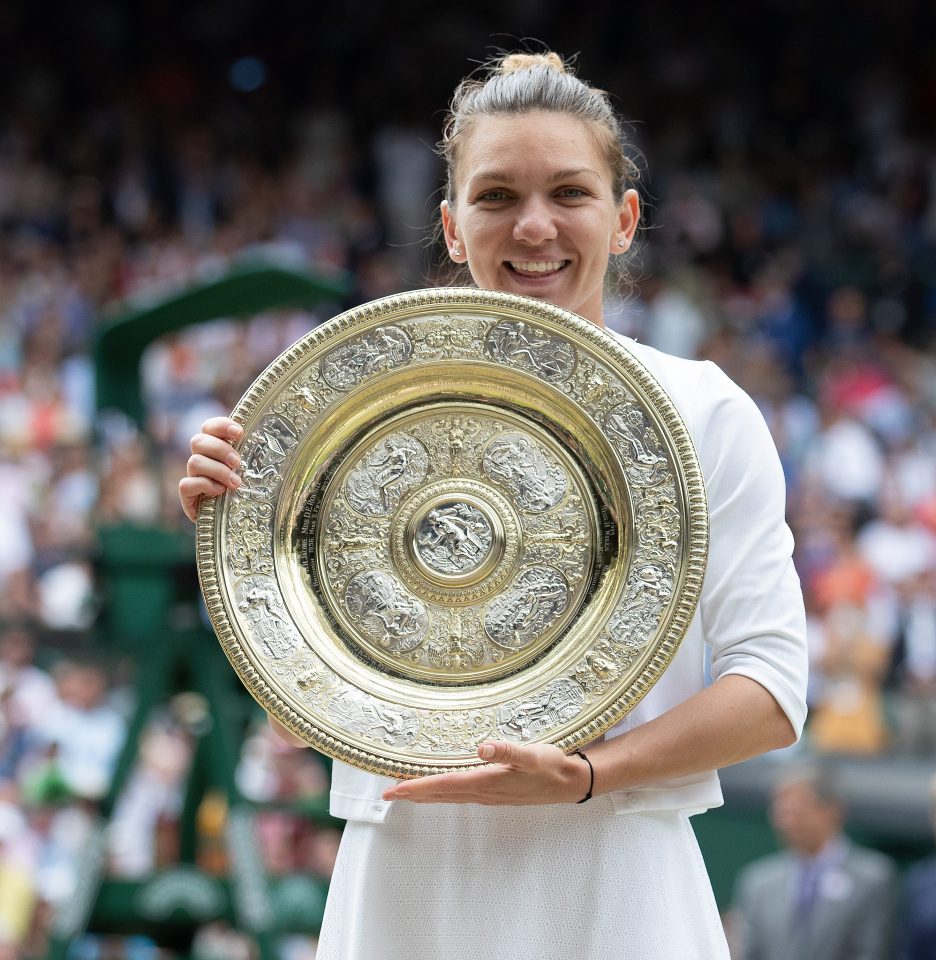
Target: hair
(821, 775)
(523, 83)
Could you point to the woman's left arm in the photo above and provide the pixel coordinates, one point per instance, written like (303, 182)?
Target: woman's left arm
(730, 721)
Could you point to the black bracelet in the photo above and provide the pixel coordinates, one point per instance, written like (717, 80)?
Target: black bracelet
(591, 779)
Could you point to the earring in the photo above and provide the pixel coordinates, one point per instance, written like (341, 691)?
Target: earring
(456, 249)
(621, 243)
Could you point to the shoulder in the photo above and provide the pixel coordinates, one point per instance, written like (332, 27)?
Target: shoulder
(704, 394)
(680, 378)
(922, 876)
(870, 864)
(763, 873)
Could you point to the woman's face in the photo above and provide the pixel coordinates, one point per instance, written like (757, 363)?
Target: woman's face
(534, 210)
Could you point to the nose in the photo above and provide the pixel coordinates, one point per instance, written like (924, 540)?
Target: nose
(535, 223)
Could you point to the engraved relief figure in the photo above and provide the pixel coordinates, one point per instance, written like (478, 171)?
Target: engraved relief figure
(260, 477)
(375, 486)
(381, 349)
(450, 337)
(523, 612)
(347, 536)
(457, 433)
(445, 732)
(599, 668)
(658, 523)
(385, 612)
(454, 538)
(357, 711)
(637, 614)
(559, 702)
(596, 387)
(278, 435)
(515, 342)
(516, 462)
(628, 424)
(453, 647)
(270, 627)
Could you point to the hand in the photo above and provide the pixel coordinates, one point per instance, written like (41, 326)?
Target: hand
(515, 775)
(210, 468)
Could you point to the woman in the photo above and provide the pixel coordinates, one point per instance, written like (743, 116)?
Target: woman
(539, 198)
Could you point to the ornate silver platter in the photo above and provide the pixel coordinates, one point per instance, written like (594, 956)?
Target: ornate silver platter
(464, 515)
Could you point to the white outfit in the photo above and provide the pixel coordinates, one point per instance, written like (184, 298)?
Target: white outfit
(587, 882)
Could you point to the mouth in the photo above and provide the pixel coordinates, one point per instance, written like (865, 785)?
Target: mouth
(536, 269)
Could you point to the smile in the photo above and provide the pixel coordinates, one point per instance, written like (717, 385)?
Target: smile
(536, 267)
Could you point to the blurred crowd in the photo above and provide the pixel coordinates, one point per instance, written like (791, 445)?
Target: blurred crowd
(790, 236)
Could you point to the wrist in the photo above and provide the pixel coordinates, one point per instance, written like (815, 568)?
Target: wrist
(581, 777)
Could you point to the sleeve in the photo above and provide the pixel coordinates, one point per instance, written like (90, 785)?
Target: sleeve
(752, 606)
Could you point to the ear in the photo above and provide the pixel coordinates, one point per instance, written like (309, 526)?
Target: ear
(628, 218)
(456, 248)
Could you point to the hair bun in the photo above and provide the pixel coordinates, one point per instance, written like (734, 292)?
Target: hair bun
(515, 62)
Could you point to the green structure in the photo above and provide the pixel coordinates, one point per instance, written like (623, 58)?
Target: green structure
(152, 614)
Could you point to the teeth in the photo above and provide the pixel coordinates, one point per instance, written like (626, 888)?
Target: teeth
(536, 266)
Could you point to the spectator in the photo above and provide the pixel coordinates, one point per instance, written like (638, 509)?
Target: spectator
(911, 676)
(918, 916)
(85, 730)
(823, 897)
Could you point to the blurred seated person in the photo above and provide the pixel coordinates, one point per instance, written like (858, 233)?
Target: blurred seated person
(849, 716)
(911, 678)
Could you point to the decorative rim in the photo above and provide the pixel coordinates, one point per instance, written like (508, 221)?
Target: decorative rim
(533, 370)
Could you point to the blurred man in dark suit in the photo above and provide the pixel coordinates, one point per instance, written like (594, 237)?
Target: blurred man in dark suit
(823, 897)
(918, 916)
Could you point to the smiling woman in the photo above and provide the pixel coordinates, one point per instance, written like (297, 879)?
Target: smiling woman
(501, 860)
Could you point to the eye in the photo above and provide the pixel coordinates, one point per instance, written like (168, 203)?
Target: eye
(491, 196)
(572, 193)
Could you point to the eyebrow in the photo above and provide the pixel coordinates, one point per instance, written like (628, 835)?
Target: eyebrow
(501, 176)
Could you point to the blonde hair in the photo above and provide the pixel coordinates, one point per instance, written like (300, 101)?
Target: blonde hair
(524, 82)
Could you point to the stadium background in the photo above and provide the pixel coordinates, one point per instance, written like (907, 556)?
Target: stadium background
(146, 149)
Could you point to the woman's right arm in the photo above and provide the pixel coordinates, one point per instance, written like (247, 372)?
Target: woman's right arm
(211, 467)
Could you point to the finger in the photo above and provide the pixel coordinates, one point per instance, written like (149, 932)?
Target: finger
(193, 489)
(222, 427)
(448, 785)
(215, 449)
(500, 751)
(199, 466)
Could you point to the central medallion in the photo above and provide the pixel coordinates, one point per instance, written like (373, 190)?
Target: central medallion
(453, 539)
(456, 541)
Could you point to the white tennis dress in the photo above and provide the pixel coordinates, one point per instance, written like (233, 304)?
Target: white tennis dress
(620, 876)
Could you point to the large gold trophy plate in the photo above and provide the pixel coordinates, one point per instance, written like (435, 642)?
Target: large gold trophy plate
(464, 515)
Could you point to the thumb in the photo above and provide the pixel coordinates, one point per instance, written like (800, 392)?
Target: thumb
(499, 751)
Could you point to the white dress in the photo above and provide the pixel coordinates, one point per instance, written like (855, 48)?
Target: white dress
(559, 882)
(620, 876)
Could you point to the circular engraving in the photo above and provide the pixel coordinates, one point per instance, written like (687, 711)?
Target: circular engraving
(526, 470)
(378, 481)
(493, 567)
(385, 612)
(527, 608)
(464, 514)
(453, 538)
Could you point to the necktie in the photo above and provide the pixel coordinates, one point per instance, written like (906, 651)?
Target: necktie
(807, 887)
